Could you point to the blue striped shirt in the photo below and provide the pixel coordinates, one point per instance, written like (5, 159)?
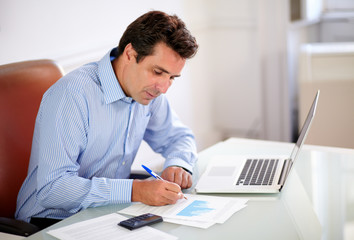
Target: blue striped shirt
(86, 137)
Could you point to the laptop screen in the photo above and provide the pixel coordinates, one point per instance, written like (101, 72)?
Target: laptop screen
(305, 128)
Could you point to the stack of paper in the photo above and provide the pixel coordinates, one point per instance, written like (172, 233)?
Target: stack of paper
(198, 210)
(106, 227)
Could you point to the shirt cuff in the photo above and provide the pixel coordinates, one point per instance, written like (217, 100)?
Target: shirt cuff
(121, 190)
(179, 163)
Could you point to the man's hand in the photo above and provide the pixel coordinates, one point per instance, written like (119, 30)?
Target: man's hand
(156, 192)
(178, 175)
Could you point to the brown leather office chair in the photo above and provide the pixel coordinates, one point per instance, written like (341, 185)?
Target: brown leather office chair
(22, 86)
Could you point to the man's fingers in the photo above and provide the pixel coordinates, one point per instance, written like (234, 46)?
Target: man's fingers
(186, 181)
(168, 175)
(172, 187)
(155, 192)
(172, 196)
(178, 178)
(177, 175)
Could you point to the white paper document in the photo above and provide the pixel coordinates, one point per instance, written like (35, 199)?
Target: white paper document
(198, 210)
(106, 228)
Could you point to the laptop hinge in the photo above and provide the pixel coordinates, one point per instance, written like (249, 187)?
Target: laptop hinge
(285, 171)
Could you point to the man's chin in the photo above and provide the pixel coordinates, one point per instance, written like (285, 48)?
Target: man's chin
(144, 101)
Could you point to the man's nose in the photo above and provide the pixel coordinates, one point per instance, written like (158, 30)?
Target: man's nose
(163, 84)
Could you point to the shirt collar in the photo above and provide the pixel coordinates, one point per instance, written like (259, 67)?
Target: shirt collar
(110, 86)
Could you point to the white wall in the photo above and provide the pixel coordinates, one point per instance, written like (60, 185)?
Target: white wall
(229, 31)
(63, 28)
(243, 49)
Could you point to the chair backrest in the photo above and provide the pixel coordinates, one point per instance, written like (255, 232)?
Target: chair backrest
(22, 86)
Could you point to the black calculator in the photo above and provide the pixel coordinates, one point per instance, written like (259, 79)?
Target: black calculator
(140, 221)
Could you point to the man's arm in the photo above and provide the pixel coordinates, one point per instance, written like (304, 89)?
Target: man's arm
(167, 135)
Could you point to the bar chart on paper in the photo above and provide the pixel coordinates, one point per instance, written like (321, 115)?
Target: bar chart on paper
(196, 208)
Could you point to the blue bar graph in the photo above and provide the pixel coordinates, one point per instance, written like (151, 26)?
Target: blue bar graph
(196, 208)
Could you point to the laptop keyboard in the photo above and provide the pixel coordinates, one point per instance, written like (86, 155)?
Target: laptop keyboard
(258, 172)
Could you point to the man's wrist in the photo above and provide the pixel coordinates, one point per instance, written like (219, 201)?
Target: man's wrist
(183, 169)
(135, 191)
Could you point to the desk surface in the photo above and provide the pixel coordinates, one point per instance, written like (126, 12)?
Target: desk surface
(307, 208)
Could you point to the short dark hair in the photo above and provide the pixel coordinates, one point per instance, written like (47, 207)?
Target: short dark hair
(154, 27)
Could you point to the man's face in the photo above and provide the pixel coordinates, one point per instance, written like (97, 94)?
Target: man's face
(153, 75)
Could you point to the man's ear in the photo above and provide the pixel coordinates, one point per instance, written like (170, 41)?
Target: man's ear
(129, 52)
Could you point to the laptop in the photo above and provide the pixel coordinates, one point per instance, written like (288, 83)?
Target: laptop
(252, 174)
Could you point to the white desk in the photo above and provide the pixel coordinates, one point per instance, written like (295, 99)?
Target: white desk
(296, 213)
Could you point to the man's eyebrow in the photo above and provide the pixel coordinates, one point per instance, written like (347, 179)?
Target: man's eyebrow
(165, 71)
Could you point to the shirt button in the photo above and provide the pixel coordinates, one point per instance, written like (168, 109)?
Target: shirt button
(123, 163)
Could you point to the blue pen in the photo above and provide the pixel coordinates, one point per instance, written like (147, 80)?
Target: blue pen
(155, 175)
(151, 172)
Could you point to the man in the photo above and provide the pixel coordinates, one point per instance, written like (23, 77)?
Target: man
(91, 122)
